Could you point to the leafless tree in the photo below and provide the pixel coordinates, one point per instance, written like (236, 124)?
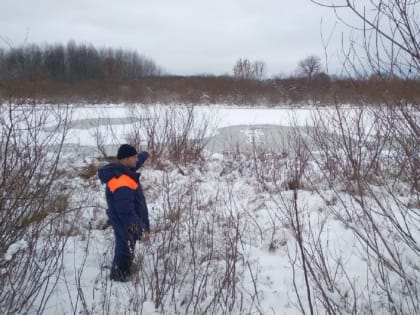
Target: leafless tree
(259, 68)
(243, 69)
(310, 66)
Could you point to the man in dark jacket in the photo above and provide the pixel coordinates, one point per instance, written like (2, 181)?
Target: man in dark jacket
(127, 209)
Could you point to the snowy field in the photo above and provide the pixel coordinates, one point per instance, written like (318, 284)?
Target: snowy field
(227, 125)
(272, 269)
(224, 228)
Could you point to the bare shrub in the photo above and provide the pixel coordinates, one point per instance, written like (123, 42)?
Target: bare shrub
(32, 204)
(350, 143)
(367, 155)
(208, 90)
(198, 251)
(355, 159)
(364, 154)
(102, 136)
(177, 133)
(403, 124)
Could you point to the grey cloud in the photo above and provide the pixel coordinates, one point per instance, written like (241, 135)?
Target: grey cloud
(185, 36)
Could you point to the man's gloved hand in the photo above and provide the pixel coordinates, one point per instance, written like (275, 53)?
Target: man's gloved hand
(145, 237)
(131, 229)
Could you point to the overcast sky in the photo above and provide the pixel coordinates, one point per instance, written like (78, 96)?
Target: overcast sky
(182, 36)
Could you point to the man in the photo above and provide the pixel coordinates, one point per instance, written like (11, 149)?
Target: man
(127, 209)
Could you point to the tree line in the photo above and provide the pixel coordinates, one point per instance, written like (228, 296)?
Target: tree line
(74, 62)
(80, 72)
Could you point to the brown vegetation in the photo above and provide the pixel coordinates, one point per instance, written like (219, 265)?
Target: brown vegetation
(215, 90)
(81, 73)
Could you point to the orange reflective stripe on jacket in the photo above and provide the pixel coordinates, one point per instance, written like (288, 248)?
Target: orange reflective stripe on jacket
(122, 181)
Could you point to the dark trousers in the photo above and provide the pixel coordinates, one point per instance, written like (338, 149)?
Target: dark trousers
(123, 255)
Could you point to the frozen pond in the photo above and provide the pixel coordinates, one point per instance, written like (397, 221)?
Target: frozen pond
(241, 137)
(246, 137)
(229, 127)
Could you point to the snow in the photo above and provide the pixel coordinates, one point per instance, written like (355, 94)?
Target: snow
(224, 193)
(217, 157)
(14, 248)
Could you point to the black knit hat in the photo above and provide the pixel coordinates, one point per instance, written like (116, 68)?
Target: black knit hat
(125, 151)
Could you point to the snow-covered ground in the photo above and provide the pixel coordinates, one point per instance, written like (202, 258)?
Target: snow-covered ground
(221, 228)
(120, 120)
